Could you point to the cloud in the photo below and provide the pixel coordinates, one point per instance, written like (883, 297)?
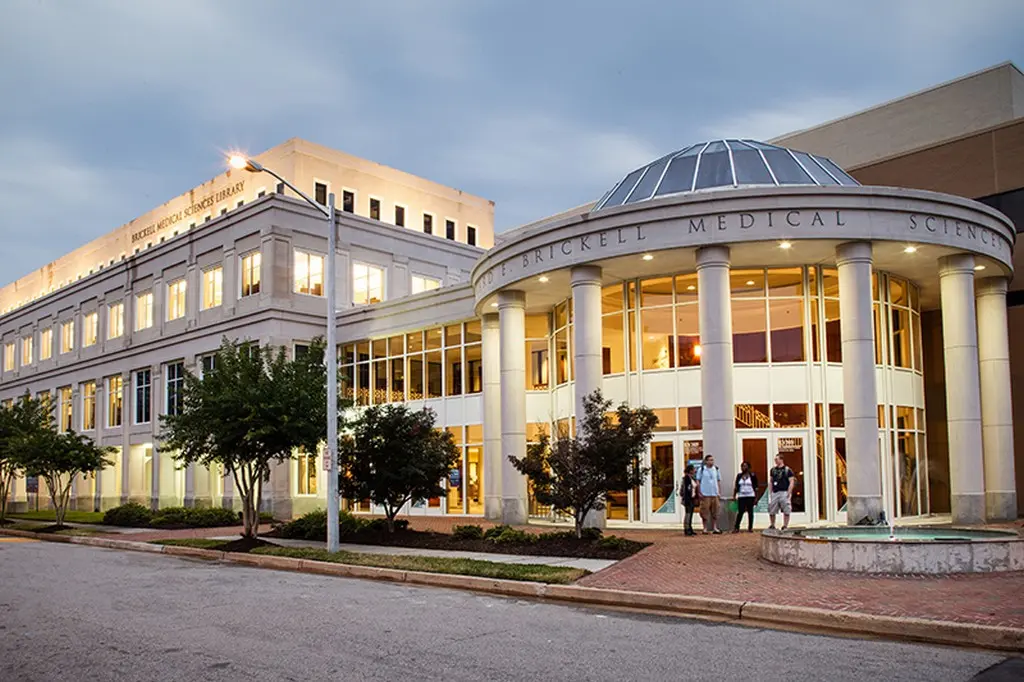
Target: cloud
(772, 121)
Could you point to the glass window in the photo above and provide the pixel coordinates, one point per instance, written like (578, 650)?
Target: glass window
(655, 292)
(176, 300)
(750, 168)
(414, 342)
(611, 299)
(470, 235)
(747, 283)
(88, 405)
(474, 369)
(785, 282)
(397, 380)
(251, 265)
(367, 284)
(414, 376)
(434, 374)
(645, 188)
(348, 201)
(309, 273)
(613, 343)
(915, 328)
(749, 343)
(142, 396)
(691, 419)
(714, 170)
(787, 170)
(90, 329)
(9, 357)
(66, 411)
(400, 216)
(686, 288)
(789, 414)
(678, 177)
(380, 381)
(453, 365)
(306, 470)
(816, 171)
(657, 338)
(175, 384)
(115, 320)
(562, 355)
(421, 283)
(901, 352)
(428, 223)
(537, 364)
(833, 332)
(623, 190)
(449, 229)
(666, 419)
(67, 337)
(434, 338)
(688, 348)
(320, 193)
(752, 417)
(26, 351)
(786, 317)
(46, 344)
(144, 311)
(213, 285)
(115, 401)
(374, 208)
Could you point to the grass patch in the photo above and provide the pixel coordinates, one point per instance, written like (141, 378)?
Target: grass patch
(555, 575)
(51, 516)
(42, 527)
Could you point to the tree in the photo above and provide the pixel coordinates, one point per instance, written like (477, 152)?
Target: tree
(58, 458)
(394, 455)
(573, 474)
(251, 408)
(20, 420)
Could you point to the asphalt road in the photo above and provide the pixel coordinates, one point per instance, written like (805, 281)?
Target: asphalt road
(80, 613)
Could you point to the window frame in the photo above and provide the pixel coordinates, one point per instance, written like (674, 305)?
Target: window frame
(119, 326)
(174, 296)
(425, 278)
(254, 286)
(383, 282)
(405, 214)
(147, 400)
(327, 190)
(370, 198)
(90, 328)
(218, 268)
(309, 255)
(455, 229)
(139, 327)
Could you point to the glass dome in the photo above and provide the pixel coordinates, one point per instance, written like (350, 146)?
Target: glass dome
(724, 163)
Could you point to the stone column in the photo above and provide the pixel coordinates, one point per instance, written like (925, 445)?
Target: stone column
(190, 486)
(512, 324)
(996, 406)
(860, 392)
(154, 474)
(714, 305)
(493, 461)
(586, 349)
(963, 390)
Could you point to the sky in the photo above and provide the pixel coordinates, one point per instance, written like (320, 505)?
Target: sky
(109, 108)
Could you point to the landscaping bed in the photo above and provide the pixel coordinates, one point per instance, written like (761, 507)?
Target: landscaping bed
(469, 538)
(557, 575)
(71, 516)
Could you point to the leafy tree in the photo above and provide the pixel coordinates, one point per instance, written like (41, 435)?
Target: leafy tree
(395, 455)
(573, 475)
(19, 421)
(252, 408)
(58, 458)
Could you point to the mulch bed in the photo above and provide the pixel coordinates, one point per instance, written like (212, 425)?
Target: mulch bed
(243, 545)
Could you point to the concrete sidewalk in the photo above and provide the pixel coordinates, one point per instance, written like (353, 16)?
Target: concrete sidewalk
(592, 565)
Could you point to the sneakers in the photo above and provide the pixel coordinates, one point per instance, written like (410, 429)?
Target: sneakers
(716, 532)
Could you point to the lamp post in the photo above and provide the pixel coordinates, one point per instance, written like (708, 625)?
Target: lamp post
(331, 456)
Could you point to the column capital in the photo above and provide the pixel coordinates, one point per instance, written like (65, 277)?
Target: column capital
(991, 286)
(853, 252)
(586, 274)
(957, 264)
(511, 298)
(708, 256)
(490, 320)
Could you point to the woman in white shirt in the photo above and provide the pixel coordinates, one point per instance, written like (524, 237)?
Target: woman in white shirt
(746, 496)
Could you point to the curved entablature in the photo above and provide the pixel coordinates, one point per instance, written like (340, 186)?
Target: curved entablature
(909, 229)
(724, 163)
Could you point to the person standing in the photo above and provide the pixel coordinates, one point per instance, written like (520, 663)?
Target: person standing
(687, 493)
(710, 480)
(746, 495)
(783, 482)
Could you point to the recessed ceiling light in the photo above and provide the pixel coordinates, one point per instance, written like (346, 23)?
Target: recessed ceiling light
(648, 256)
(979, 267)
(750, 282)
(542, 279)
(785, 245)
(910, 249)
(690, 288)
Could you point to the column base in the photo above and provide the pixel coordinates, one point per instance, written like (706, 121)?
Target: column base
(167, 501)
(492, 508)
(968, 508)
(1001, 506)
(111, 501)
(514, 512)
(864, 510)
(596, 519)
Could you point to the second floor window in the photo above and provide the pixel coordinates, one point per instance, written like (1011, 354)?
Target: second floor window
(213, 287)
(421, 284)
(176, 299)
(144, 311)
(115, 320)
(309, 273)
(400, 216)
(320, 193)
(89, 406)
(175, 383)
(470, 235)
(115, 401)
(251, 273)
(306, 479)
(449, 229)
(367, 284)
(375, 209)
(90, 329)
(64, 405)
(348, 201)
(428, 223)
(26, 351)
(46, 344)
(67, 336)
(143, 381)
(9, 357)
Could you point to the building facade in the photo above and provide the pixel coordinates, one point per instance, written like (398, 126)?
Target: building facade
(760, 299)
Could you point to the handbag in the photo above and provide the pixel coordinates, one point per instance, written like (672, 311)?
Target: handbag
(734, 506)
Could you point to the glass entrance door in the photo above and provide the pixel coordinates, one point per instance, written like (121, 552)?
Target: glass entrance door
(754, 451)
(837, 476)
(665, 475)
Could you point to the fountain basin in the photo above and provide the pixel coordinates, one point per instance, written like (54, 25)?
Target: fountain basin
(927, 550)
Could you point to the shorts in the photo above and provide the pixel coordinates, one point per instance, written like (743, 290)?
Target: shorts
(779, 501)
(709, 508)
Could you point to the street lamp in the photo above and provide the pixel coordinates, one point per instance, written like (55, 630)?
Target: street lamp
(331, 456)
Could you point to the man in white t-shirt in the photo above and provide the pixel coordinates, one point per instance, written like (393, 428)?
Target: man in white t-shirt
(710, 480)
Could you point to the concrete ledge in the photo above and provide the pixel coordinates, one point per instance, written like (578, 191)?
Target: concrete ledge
(848, 623)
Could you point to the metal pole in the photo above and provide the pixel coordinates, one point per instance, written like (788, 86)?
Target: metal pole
(332, 383)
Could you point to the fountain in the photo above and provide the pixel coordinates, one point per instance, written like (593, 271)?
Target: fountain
(892, 549)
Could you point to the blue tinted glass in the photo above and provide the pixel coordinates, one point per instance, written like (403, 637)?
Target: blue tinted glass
(645, 188)
(694, 150)
(714, 170)
(622, 190)
(816, 171)
(759, 145)
(718, 146)
(844, 177)
(787, 170)
(679, 176)
(750, 168)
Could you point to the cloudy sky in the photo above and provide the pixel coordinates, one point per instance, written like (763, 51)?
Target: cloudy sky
(110, 107)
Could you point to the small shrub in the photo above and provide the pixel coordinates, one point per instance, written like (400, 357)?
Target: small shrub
(467, 532)
(612, 542)
(130, 514)
(310, 526)
(495, 531)
(557, 536)
(348, 524)
(211, 517)
(170, 517)
(514, 536)
(591, 534)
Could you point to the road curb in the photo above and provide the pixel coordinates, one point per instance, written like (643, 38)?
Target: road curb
(753, 614)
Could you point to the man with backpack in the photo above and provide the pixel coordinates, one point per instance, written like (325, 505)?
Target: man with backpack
(709, 479)
(781, 497)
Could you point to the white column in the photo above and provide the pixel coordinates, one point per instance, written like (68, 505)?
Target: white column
(155, 478)
(996, 406)
(963, 390)
(512, 324)
(714, 305)
(493, 461)
(860, 393)
(190, 486)
(586, 349)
